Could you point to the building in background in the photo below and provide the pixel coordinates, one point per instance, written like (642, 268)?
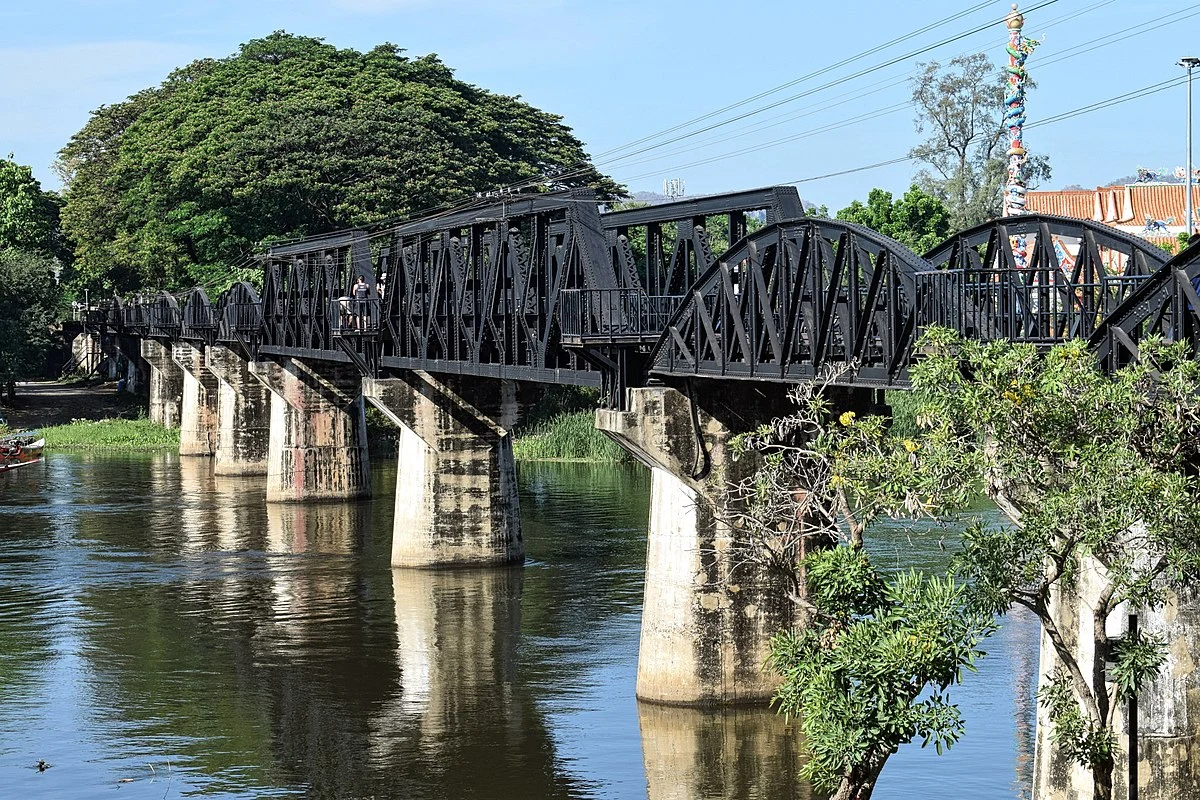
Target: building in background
(1154, 211)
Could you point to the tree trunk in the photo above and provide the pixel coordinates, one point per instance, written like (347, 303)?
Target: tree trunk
(1102, 779)
(860, 783)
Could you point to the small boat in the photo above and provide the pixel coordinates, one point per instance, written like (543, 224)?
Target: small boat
(20, 450)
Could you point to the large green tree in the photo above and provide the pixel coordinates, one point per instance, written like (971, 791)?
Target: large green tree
(29, 300)
(918, 219)
(31, 256)
(290, 136)
(28, 215)
(871, 667)
(960, 109)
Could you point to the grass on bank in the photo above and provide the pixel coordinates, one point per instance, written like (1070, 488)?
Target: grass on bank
(571, 436)
(111, 434)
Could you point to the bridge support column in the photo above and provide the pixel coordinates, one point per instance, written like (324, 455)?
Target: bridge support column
(166, 384)
(317, 449)
(1168, 709)
(243, 415)
(709, 612)
(456, 484)
(198, 429)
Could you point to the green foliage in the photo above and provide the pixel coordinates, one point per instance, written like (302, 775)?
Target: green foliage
(1087, 466)
(1079, 737)
(1136, 660)
(289, 137)
(570, 436)
(111, 434)
(28, 215)
(870, 671)
(960, 108)
(29, 300)
(918, 220)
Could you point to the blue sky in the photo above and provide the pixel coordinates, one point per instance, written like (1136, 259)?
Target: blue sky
(620, 70)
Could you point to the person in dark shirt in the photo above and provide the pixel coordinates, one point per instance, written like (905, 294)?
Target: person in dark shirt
(361, 292)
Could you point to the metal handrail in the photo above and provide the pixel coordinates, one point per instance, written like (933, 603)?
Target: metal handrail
(614, 316)
(1039, 306)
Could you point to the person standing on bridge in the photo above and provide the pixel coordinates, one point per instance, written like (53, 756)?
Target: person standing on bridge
(361, 293)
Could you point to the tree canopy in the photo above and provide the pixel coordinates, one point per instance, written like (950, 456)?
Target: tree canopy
(289, 137)
(31, 256)
(918, 219)
(960, 107)
(29, 296)
(1096, 473)
(28, 215)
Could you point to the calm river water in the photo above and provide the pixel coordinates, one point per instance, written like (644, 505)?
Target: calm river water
(166, 634)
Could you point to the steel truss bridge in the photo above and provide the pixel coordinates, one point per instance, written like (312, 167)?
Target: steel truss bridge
(548, 289)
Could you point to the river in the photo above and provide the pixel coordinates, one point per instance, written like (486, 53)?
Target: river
(165, 633)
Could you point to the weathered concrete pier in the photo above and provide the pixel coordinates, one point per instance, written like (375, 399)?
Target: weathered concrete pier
(456, 486)
(711, 606)
(243, 414)
(318, 443)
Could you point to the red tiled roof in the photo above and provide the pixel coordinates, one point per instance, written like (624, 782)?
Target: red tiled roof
(1117, 205)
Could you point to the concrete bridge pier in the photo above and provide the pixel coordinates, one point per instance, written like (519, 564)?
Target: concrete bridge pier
(709, 611)
(1168, 708)
(166, 384)
(456, 485)
(317, 449)
(198, 428)
(243, 414)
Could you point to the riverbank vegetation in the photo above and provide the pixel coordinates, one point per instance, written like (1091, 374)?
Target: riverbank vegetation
(569, 436)
(561, 427)
(873, 661)
(111, 434)
(32, 252)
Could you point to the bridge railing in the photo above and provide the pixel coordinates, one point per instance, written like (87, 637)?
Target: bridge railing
(351, 317)
(1037, 306)
(614, 316)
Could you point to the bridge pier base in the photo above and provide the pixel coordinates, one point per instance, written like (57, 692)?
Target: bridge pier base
(456, 484)
(166, 384)
(243, 415)
(198, 416)
(317, 449)
(709, 612)
(1168, 708)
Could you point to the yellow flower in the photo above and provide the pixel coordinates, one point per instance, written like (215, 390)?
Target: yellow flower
(911, 446)
(846, 418)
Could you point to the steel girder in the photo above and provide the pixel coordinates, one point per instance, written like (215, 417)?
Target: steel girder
(478, 291)
(794, 299)
(1166, 305)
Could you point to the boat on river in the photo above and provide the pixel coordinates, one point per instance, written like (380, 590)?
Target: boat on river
(20, 450)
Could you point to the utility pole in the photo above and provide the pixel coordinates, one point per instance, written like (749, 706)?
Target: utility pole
(1189, 64)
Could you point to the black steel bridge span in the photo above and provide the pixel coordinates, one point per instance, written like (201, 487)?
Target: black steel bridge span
(548, 289)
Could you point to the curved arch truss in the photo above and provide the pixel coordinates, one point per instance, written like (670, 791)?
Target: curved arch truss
(1166, 305)
(793, 299)
(1034, 278)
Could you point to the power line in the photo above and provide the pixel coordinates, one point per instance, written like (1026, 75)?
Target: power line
(1076, 51)
(794, 82)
